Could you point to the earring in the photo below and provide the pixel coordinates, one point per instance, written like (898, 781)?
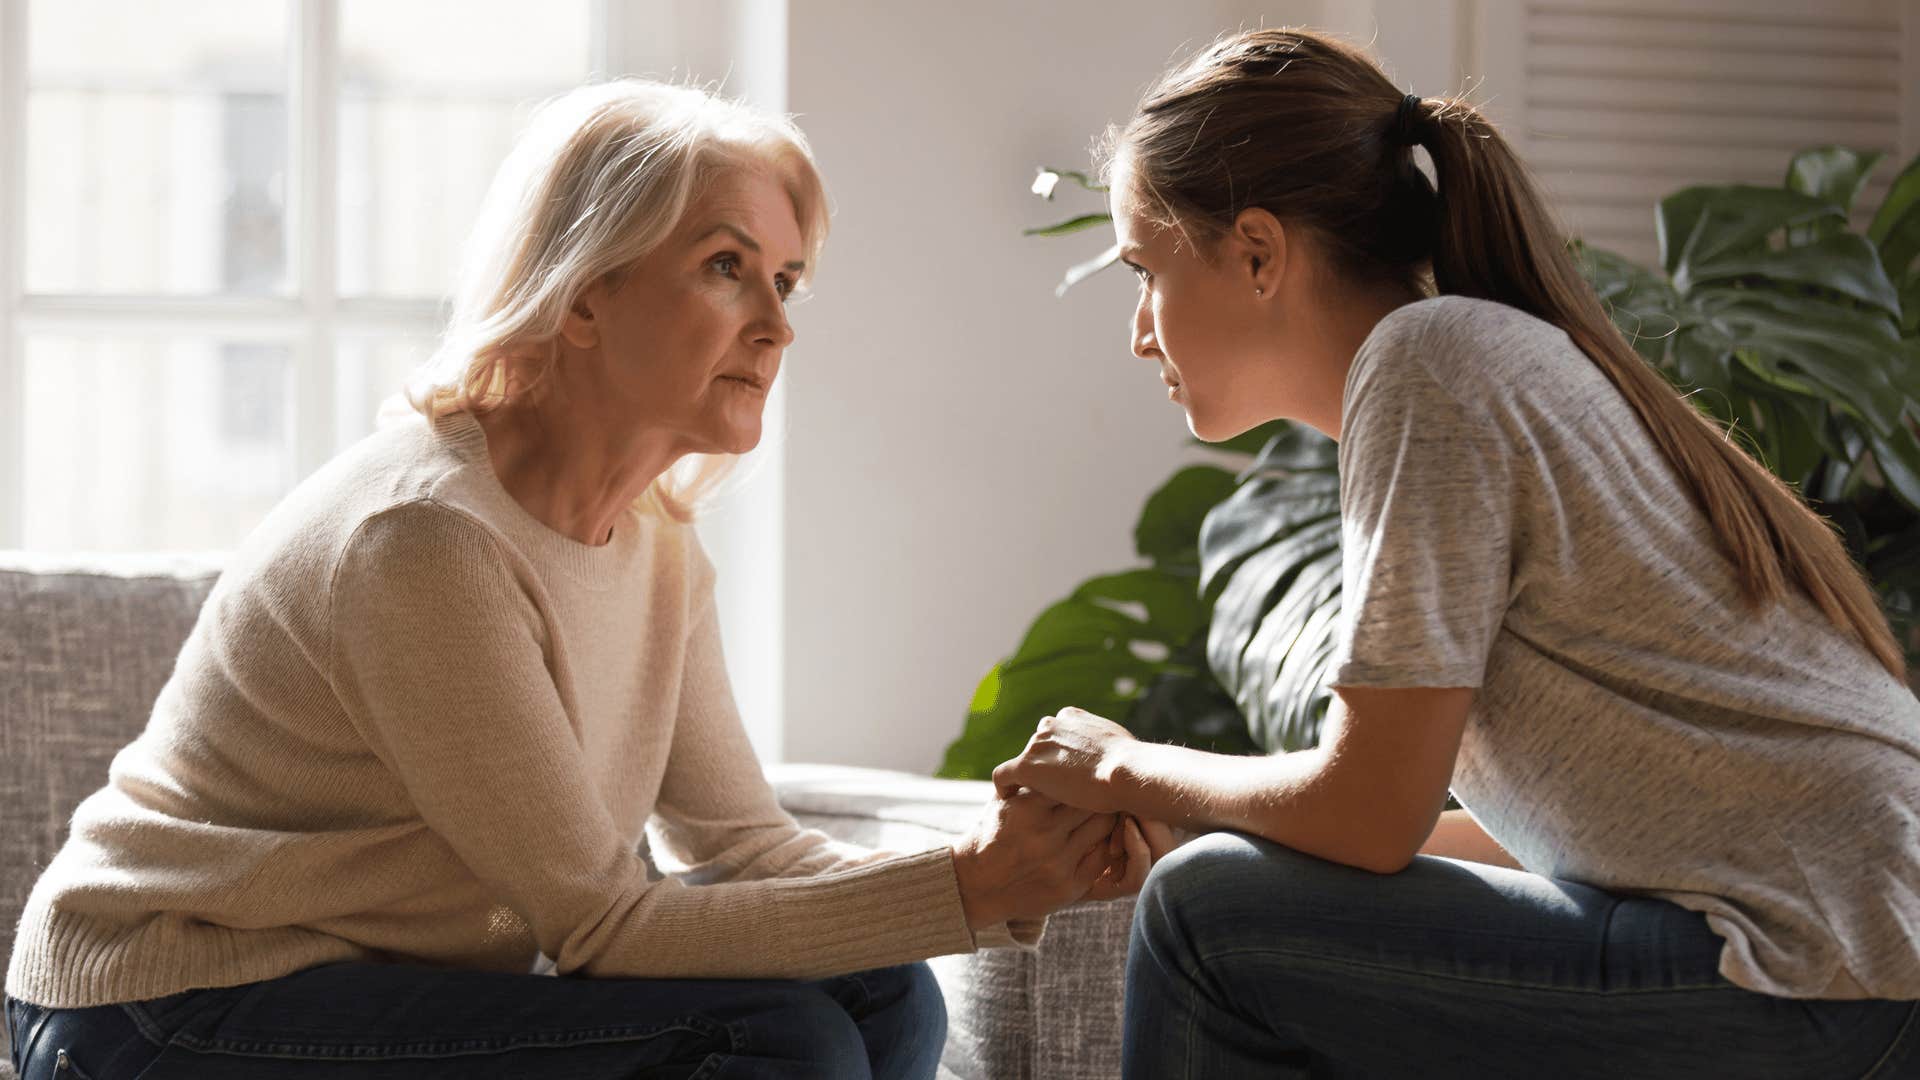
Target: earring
(1258, 291)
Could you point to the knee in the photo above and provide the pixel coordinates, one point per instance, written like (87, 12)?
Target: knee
(907, 1020)
(1196, 876)
(815, 1033)
(1221, 882)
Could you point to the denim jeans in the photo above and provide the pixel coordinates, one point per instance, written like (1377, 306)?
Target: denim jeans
(1251, 959)
(391, 1020)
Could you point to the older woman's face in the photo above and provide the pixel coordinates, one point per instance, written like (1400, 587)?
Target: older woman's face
(689, 341)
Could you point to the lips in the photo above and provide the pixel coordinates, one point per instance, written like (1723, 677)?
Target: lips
(748, 378)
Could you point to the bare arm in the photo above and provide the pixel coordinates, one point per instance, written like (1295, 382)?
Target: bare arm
(1368, 796)
(1457, 836)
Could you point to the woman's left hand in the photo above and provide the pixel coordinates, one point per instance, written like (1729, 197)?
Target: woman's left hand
(1071, 759)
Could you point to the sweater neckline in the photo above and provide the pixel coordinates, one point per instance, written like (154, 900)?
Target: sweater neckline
(596, 565)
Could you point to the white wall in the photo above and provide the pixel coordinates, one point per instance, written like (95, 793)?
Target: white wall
(960, 447)
(963, 448)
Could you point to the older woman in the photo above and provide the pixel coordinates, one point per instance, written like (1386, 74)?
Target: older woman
(417, 736)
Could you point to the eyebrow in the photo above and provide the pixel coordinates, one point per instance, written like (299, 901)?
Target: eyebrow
(746, 241)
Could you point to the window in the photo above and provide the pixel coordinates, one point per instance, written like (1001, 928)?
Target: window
(227, 232)
(233, 237)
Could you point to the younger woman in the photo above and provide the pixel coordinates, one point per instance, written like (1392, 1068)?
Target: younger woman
(1677, 719)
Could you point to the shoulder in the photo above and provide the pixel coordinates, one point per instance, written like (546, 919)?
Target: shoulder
(683, 551)
(1476, 356)
(1456, 338)
(419, 539)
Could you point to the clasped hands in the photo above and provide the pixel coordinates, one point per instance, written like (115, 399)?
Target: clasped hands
(1056, 832)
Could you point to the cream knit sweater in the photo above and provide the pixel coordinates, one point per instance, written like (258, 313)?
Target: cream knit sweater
(415, 724)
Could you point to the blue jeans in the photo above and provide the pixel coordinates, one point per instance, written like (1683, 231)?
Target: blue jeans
(1251, 959)
(392, 1020)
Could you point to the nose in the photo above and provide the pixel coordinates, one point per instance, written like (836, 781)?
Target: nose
(771, 327)
(1145, 345)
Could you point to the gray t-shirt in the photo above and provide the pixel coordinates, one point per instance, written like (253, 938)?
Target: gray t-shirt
(1509, 525)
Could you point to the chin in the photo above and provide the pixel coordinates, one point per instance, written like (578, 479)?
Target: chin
(1213, 429)
(737, 442)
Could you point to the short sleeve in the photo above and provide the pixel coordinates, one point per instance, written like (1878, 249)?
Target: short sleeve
(1426, 522)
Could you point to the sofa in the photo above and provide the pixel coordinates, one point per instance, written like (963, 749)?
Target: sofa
(87, 641)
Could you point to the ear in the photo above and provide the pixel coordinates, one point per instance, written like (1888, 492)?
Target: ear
(1257, 249)
(581, 327)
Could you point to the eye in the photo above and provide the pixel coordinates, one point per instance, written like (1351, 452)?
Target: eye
(1140, 272)
(726, 262)
(784, 286)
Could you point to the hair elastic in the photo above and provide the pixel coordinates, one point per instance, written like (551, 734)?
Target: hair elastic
(1406, 121)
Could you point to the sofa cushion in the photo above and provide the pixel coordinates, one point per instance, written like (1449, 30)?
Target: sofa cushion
(86, 642)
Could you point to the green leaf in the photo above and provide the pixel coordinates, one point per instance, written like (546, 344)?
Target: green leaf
(1811, 346)
(1640, 304)
(1099, 649)
(1895, 229)
(1025, 693)
(1255, 588)
(1297, 448)
(1069, 226)
(1077, 625)
(1702, 224)
(1080, 272)
(1168, 602)
(1272, 633)
(1844, 263)
(1898, 456)
(1701, 364)
(1792, 446)
(1296, 661)
(1168, 531)
(1833, 174)
(1191, 710)
(1674, 221)
(1260, 512)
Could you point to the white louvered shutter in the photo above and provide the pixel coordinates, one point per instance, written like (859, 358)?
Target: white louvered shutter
(1616, 103)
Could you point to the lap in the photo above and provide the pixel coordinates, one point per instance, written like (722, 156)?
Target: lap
(1442, 917)
(410, 1020)
(1468, 963)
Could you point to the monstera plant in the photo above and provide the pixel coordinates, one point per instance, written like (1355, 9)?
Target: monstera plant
(1778, 319)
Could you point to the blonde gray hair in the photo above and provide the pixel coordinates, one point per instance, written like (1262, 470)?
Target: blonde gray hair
(601, 175)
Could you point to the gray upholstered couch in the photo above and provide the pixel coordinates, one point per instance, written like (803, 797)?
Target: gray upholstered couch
(85, 645)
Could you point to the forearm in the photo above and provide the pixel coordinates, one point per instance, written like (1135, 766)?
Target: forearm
(1291, 799)
(1457, 836)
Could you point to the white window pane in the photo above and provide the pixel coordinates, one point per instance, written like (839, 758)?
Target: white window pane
(370, 375)
(156, 148)
(139, 444)
(424, 126)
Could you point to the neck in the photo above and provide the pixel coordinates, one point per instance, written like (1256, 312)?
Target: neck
(573, 475)
(1341, 330)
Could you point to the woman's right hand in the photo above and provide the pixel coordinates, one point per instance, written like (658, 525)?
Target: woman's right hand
(1029, 857)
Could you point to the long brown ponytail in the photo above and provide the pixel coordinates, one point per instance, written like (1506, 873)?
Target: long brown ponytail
(1309, 128)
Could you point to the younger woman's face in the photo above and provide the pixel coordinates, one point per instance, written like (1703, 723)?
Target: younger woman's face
(1197, 318)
